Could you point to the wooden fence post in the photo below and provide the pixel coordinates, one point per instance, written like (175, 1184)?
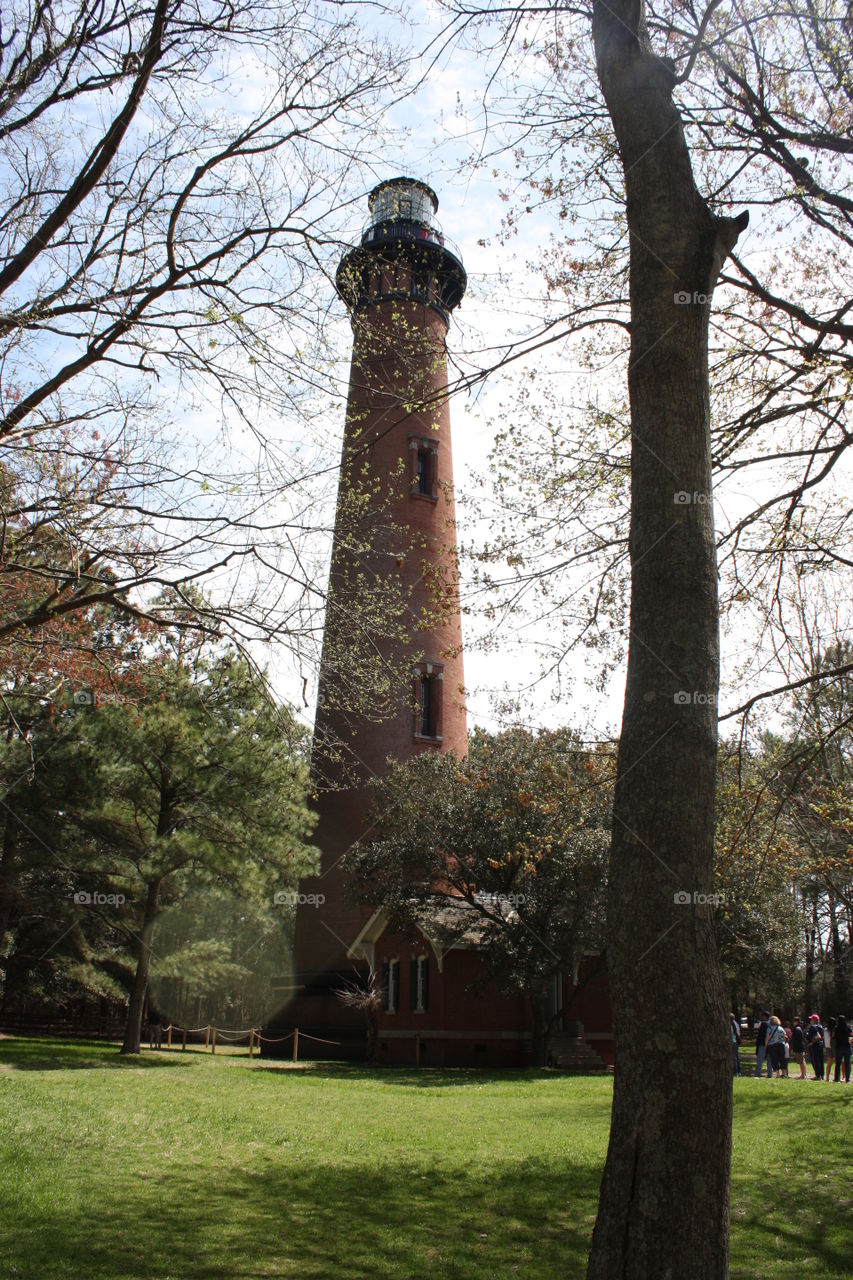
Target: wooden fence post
(207, 1036)
(184, 1040)
(251, 1042)
(295, 1044)
(169, 1036)
(213, 1041)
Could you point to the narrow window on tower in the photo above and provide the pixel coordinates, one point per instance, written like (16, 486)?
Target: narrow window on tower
(427, 707)
(424, 468)
(428, 686)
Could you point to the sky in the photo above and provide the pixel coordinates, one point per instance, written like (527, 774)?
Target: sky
(432, 136)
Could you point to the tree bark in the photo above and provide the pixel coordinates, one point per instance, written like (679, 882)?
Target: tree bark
(837, 949)
(133, 1029)
(663, 1209)
(810, 899)
(7, 872)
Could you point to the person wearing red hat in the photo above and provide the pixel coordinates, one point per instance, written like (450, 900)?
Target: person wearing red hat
(814, 1037)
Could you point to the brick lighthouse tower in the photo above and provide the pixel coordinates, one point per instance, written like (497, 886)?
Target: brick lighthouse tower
(391, 682)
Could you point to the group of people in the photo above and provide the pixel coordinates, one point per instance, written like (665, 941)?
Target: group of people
(777, 1045)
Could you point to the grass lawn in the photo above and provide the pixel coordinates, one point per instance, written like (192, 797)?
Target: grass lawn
(190, 1167)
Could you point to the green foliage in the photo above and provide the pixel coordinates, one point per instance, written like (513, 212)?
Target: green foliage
(191, 785)
(784, 849)
(516, 834)
(759, 921)
(815, 780)
(199, 780)
(216, 954)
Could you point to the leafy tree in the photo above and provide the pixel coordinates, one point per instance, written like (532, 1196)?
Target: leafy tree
(218, 951)
(662, 957)
(200, 783)
(48, 678)
(696, 113)
(757, 869)
(814, 783)
(45, 944)
(514, 838)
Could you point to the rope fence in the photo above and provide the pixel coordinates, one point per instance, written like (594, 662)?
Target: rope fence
(233, 1036)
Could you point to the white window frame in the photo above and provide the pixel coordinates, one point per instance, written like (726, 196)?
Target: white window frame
(393, 984)
(422, 967)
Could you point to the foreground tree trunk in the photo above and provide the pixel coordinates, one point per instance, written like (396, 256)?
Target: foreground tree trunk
(663, 1210)
(133, 1029)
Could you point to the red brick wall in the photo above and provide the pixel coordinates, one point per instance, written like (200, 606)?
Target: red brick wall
(398, 381)
(468, 1022)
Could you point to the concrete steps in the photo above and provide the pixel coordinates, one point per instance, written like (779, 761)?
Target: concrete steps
(572, 1053)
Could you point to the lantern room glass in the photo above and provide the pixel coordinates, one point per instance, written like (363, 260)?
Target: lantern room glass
(403, 202)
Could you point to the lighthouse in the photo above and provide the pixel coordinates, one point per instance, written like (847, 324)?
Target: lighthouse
(391, 677)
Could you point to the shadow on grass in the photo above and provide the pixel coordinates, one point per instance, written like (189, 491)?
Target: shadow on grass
(770, 1097)
(793, 1230)
(397, 1222)
(37, 1054)
(423, 1077)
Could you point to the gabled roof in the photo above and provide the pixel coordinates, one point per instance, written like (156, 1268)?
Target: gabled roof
(450, 924)
(370, 933)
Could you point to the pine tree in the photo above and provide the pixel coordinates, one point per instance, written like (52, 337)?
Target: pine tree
(200, 783)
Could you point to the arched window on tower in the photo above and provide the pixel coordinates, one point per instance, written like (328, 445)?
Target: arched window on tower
(423, 476)
(427, 691)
